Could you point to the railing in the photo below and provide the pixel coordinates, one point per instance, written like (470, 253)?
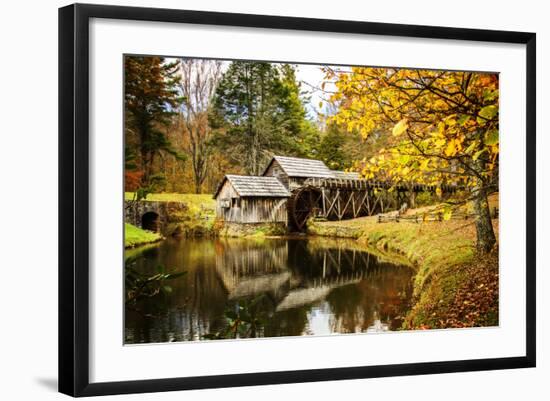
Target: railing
(430, 216)
(351, 183)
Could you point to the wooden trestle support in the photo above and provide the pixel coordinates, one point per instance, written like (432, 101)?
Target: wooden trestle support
(340, 199)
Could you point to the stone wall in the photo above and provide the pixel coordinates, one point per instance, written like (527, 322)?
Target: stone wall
(170, 214)
(228, 229)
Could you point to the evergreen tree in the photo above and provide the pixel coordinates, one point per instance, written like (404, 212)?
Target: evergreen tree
(331, 149)
(151, 99)
(258, 110)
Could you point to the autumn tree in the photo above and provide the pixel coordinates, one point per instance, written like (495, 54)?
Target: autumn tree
(257, 112)
(444, 129)
(151, 100)
(132, 176)
(199, 79)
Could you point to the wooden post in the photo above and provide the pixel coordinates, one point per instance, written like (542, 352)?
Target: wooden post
(339, 205)
(332, 204)
(324, 202)
(369, 213)
(350, 197)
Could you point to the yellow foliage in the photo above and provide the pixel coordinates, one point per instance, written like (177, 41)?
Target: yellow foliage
(450, 117)
(400, 127)
(451, 148)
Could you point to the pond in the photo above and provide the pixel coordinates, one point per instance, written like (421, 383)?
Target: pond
(292, 287)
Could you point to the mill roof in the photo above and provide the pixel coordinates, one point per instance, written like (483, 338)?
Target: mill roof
(298, 167)
(255, 186)
(347, 175)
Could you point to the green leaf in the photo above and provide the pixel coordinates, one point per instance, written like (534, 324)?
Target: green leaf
(477, 154)
(491, 137)
(167, 289)
(463, 119)
(245, 316)
(488, 112)
(171, 276)
(489, 95)
(470, 148)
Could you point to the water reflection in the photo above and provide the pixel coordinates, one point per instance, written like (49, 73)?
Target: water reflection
(304, 286)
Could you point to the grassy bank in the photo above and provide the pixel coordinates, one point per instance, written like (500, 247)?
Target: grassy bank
(198, 218)
(190, 199)
(453, 287)
(134, 236)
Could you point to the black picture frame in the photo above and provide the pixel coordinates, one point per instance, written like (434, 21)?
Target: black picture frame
(74, 198)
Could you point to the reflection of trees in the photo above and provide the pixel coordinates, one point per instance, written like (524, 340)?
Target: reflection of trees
(384, 294)
(290, 322)
(291, 276)
(196, 303)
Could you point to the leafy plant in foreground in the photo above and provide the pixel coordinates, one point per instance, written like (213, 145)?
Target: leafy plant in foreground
(244, 319)
(139, 285)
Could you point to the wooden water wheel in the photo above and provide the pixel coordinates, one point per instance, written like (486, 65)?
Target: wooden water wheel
(302, 205)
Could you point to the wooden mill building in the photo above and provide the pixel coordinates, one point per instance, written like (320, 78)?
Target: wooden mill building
(251, 199)
(292, 189)
(289, 191)
(293, 171)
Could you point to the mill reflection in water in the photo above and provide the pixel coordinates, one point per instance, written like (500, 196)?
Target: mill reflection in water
(299, 287)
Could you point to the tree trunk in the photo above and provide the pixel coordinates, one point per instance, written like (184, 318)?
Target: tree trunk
(412, 198)
(198, 185)
(197, 181)
(486, 239)
(144, 167)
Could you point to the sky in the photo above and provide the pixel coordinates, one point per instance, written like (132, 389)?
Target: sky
(310, 78)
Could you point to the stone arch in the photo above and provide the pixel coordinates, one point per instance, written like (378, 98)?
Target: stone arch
(150, 221)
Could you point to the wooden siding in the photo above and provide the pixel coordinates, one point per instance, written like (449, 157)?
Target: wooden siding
(275, 170)
(264, 210)
(250, 209)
